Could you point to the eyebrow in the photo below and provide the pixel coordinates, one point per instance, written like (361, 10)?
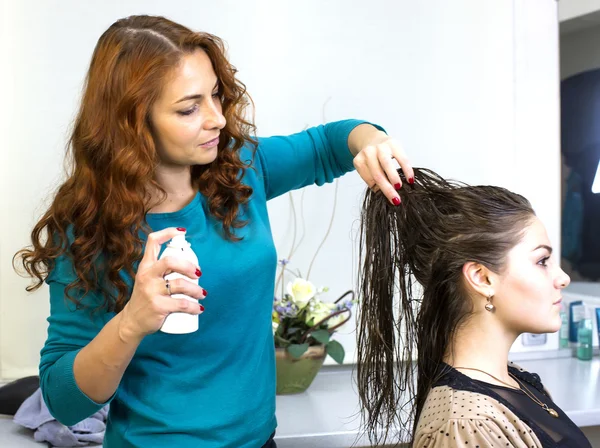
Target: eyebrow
(195, 96)
(543, 246)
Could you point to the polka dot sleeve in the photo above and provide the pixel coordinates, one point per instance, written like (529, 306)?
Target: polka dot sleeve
(452, 418)
(474, 433)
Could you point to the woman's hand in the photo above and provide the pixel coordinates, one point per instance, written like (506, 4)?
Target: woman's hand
(150, 301)
(374, 158)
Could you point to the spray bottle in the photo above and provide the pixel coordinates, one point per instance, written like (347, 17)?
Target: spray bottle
(180, 323)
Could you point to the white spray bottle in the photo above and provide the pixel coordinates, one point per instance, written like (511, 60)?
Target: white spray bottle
(180, 323)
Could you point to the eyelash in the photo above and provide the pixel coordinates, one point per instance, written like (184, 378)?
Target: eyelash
(189, 111)
(195, 108)
(543, 261)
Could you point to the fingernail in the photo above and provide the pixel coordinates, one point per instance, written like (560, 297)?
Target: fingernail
(396, 201)
(201, 308)
(411, 180)
(204, 292)
(181, 229)
(397, 186)
(198, 273)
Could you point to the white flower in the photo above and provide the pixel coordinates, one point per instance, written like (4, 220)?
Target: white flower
(319, 311)
(301, 291)
(337, 319)
(322, 289)
(275, 321)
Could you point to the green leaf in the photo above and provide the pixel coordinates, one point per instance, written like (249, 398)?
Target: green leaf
(336, 351)
(293, 330)
(297, 350)
(321, 336)
(281, 342)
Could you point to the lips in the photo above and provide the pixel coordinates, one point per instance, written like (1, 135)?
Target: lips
(211, 143)
(558, 302)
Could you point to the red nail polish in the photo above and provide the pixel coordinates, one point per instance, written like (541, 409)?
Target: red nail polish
(396, 201)
(181, 229)
(411, 180)
(201, 308)
(198, 273)
(397, 186)
(204, 292)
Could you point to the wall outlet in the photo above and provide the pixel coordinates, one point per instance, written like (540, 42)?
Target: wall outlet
(529, 339)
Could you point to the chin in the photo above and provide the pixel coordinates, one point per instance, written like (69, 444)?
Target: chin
(206, 158)
(550, 325)
(553, 326)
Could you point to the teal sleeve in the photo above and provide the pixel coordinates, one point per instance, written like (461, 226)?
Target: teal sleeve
(315, 156)
(69, 330)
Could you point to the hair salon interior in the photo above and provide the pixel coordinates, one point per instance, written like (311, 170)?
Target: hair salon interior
(502, 92)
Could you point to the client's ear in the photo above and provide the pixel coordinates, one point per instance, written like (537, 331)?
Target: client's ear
(478, 278)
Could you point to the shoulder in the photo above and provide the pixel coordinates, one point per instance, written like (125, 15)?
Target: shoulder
(530, 377)
(450, 417)
(62, 269)
(256, 159)
(445, 403)
(248, 152)
(249, 155)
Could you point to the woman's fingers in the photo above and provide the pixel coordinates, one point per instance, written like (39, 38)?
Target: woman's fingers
(154, 244)
(167, 265)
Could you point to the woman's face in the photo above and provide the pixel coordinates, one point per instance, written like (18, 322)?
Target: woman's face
(528, 295)
(187, 118)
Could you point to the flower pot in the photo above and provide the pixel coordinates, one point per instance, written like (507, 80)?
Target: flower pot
(294, 375)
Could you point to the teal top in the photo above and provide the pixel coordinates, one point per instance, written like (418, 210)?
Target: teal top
(215, 387)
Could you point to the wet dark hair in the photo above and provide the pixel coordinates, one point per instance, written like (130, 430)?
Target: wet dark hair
(440, 226)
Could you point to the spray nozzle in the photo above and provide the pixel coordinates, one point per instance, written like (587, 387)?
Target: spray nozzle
(179, 241)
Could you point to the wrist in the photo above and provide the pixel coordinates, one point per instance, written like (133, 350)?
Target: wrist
(126, 330)
(364, 135)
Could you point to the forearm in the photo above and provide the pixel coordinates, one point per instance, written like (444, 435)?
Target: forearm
(363, 135)
(99, 366)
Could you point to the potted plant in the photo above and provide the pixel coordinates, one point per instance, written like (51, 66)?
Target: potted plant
(303, 327)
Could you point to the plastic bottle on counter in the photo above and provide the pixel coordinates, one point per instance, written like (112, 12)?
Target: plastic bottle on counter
(564, 327)
(584, 337)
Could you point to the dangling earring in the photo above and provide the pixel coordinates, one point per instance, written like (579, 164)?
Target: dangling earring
(488, 306)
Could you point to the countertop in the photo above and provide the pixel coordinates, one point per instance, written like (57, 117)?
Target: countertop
(326, 416)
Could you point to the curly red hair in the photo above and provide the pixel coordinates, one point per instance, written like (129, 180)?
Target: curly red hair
(104, 201)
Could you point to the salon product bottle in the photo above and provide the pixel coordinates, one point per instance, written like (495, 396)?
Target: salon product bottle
(180, 323)
(584, 337)
(575, 315)
(564, 328)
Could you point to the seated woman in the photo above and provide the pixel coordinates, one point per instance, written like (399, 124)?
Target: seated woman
(482, 261)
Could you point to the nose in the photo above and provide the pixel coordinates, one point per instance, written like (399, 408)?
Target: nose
(214, 116)
(562, 279)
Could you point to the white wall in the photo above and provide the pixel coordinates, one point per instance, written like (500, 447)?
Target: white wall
(469, 86)
(537, 120)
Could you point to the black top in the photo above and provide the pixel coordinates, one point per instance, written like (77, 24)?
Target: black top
(552, 432)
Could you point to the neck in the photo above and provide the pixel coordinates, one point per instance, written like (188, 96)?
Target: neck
(176, 181)
(482, 343)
